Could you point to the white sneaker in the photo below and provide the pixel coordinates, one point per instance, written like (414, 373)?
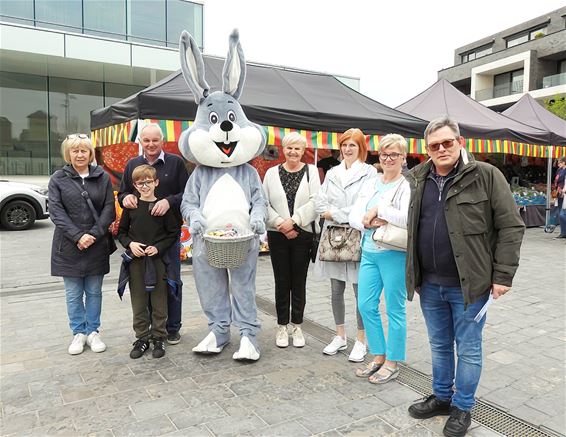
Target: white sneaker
(298, 337)
(358, 353)
(337, 344)
(282, 339)
(95, 342)
(77, 345)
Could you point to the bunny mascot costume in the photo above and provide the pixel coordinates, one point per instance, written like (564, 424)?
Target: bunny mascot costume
(223, 190)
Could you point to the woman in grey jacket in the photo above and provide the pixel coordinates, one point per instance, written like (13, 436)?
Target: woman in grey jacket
(334, 202)
(80, 251)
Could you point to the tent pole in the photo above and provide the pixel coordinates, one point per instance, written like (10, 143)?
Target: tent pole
(548, 187)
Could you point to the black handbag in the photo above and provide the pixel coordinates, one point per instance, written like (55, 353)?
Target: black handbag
(109, 237)
(315, 236)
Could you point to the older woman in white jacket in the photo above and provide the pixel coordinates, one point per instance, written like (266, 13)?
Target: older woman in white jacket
(383, 200)
(337, 195)
(290, 189)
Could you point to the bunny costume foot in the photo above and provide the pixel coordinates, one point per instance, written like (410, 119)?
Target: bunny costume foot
(224, 191)
(208, 345)
(247, 351)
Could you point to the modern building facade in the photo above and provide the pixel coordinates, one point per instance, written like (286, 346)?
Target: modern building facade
(528, 58)
(60, 59)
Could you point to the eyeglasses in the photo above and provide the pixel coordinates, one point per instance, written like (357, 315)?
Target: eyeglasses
(142, 184)
(72, 136)
(391, 156)
(348, 146)
(447, 144)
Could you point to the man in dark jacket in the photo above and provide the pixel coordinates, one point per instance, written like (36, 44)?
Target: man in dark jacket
(464, 237)
(173, 176)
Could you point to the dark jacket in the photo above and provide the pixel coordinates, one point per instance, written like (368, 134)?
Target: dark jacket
(73, 218)
(484, 227)
(172, 175)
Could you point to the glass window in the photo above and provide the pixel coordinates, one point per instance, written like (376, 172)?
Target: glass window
(24, 140)
(146, 21)
(70, 103)
(484, 52)
(183, 15)
(538, 33)
(17, 11)
(512, 42)
(59, 14)
(114, 92)
(105, 18)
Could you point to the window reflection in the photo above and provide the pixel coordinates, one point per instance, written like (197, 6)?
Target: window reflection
(183, 15)
(114, 92)
(17, 11)
(146, 21)
(59, 14)
(70, 103)
(105, 18)
(23, 124)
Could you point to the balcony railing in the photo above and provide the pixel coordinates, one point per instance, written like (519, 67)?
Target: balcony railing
(554, 80)
(502, 90)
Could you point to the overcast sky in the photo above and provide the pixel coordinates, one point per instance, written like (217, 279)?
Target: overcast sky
(395, 47)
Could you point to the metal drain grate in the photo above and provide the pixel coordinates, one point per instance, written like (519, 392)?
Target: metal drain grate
(487, 415)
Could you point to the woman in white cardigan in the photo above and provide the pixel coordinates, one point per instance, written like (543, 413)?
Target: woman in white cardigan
(290, 189)
(383, 200)
(337, 196)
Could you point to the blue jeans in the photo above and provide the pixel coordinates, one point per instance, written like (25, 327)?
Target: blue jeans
(384, 272)
(447, 321)
(84, 314)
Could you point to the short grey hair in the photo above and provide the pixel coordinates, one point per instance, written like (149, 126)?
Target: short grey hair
(153, 125)
(439, 123)
(294, 138)
(392, 140)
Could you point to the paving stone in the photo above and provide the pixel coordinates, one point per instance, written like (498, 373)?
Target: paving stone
(78, 393)
(193, 431)
(180, 372)
(364, 407)
(276, 412)
(19, 423)
(509, 397)
(505, 357)
(529, 414)
(97, 423)
(200, 414)
(317, 423)
(556, 423)
(283, 429)
(399, 417)
(107, 404)
(149, 427)
(59, 413)
(198, 396)
(235, 424)
(165, 389)
(156, 407)
(63, 428)
(215, 378)
(369, 426)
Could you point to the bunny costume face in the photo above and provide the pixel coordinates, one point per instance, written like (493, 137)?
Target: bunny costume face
(221, 135)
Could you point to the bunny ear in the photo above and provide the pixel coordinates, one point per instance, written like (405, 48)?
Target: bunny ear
(192, 66)
(234, 72)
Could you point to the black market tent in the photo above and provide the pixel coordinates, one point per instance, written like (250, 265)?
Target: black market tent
(527, 110)
(273, 96)
(475, 119)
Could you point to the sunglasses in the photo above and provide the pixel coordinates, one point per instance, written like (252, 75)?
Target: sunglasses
(391, 156)
(447, 144)
(72, 136)
(142, 184)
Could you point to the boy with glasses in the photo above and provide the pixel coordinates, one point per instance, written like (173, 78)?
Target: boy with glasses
(147, 238)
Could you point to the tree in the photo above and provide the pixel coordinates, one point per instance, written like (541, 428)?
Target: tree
(557, 106)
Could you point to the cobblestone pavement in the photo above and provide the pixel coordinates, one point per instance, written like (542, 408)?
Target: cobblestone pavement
(289, 392)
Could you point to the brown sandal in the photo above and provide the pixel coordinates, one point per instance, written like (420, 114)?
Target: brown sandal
(380, 379)
(370, 369)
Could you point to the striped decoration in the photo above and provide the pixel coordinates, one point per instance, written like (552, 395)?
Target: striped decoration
(172, 129)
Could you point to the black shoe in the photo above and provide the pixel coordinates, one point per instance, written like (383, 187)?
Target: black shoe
(158, 348)
(458, 423)
(429, 407)
(558, 237)
(140, 346)
(173, 337)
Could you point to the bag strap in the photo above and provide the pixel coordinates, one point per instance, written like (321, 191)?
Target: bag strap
(397, 190)
(84, 195)
(309, 188)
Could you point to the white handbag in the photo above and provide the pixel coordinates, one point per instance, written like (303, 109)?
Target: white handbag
(390, 236)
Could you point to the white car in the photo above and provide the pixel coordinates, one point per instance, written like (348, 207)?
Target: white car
(21, 205)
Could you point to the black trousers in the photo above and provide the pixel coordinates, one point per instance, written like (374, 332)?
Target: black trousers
(290, 260)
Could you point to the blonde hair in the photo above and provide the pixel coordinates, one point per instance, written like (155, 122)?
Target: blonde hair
(144, 171)
(392, 140)
(76, 140)
(294, 138)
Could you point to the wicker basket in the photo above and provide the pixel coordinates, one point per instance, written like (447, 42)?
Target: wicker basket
(227, 252)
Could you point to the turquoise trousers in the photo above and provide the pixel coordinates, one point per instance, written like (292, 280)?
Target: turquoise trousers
(380, 273)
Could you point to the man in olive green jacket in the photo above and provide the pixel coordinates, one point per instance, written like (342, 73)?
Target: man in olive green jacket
(464, 238)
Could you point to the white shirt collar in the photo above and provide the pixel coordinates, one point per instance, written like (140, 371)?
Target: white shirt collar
(161, 156)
